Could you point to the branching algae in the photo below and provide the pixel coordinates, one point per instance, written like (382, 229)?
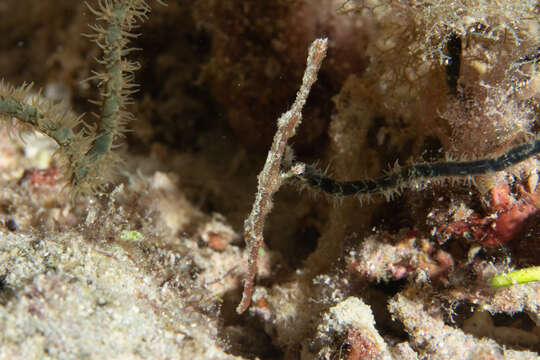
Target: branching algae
(84, 151)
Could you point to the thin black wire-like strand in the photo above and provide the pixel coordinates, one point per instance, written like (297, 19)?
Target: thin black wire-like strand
(399, 177)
